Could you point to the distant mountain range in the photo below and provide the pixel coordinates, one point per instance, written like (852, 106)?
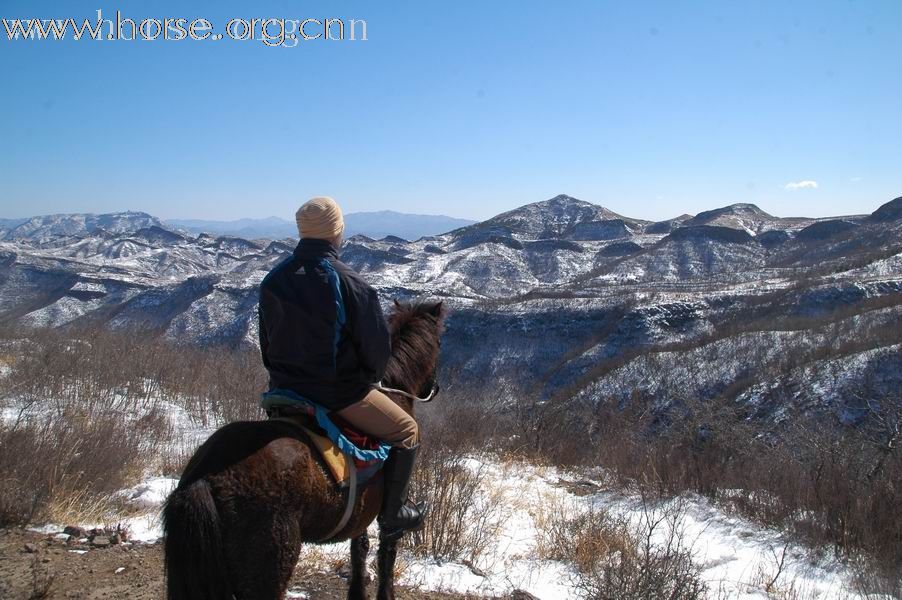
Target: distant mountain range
(559, 299)
(371, 224)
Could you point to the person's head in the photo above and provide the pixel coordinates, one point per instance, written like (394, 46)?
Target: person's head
(320, 218)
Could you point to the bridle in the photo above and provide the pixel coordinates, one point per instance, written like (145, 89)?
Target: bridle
(433, 390)
(433, 386)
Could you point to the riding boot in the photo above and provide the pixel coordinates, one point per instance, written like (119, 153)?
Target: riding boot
(399, 514)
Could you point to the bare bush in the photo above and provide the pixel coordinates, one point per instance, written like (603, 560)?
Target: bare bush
(465, 515)
(66, 467)
(616, 559)
(88, 412)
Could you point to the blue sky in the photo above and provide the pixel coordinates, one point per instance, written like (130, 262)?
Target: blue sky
(464, 108)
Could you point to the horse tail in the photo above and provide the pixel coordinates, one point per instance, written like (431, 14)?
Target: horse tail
(194, 560)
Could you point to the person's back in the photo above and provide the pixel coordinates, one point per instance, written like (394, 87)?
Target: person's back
(324, 337)
(322, 333)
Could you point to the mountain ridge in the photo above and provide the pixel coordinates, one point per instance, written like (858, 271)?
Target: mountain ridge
(561, 216)
(555, 299)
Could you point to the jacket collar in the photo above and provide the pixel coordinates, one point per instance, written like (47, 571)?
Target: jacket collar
(310, 248)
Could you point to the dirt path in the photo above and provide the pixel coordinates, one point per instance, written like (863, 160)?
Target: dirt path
(35, 566)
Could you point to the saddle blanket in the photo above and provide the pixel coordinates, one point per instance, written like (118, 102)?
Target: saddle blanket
(336, 441)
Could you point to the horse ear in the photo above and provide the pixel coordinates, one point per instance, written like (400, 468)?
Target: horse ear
(438, 310)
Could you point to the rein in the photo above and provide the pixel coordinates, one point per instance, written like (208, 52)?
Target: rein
(429, 398)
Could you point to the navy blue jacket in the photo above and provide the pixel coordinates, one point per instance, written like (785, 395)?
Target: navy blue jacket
(322, 331)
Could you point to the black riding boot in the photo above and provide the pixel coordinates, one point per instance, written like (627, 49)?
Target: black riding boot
(398, 514)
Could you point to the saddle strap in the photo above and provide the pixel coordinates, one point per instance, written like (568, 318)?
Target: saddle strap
(349, 506)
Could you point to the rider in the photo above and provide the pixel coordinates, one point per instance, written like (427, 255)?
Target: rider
(323, 336)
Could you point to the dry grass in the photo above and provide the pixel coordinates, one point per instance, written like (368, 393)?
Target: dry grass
(823, 483)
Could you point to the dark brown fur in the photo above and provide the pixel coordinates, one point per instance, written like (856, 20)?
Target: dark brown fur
(255, 491)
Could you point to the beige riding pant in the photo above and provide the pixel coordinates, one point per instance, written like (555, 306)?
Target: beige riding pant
(378, 416)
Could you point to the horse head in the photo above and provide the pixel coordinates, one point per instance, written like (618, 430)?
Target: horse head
(416, 330)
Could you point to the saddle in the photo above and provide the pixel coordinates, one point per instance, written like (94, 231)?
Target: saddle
(345, 450)
(351, 456)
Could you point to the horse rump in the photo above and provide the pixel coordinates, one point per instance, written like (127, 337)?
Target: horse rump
(194, 561)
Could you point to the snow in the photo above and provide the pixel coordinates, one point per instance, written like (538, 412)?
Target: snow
(731, 552)
(149, 494)
(147, 528)
(63, 311)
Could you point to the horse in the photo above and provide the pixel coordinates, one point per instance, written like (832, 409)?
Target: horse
(255, 491)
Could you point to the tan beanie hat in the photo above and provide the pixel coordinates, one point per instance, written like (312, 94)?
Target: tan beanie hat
(320, 218)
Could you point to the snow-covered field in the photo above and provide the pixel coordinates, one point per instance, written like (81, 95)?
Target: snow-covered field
(734, 555)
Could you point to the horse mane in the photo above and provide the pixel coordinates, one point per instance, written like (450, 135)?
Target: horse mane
(416, 329)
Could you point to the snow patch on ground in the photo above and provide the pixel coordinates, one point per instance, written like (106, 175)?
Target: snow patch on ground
(731, 552)
(149, 494)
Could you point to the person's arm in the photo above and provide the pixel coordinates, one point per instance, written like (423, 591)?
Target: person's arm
(264, 339)
(368, 329)
(265, 306)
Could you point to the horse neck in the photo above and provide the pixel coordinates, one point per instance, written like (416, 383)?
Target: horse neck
(410, 371)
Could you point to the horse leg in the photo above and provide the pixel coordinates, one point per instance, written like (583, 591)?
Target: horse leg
(360, 547)
(388, 552)
(262, 552)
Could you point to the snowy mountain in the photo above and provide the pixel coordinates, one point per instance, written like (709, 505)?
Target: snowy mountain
(556, 299)
(372, 224)
(383, 223)
(74, 224)
(267, 228)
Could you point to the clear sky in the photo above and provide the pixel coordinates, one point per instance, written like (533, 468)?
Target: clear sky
(466, 108)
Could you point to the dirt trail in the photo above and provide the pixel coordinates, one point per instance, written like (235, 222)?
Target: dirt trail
(32, 562)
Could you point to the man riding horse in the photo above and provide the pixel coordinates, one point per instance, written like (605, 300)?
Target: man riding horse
(323, 335)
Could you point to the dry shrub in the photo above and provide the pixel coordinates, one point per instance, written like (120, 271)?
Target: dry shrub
(616, 559)
(872, 582)
(133, 370)
(65, 467)
(770, 578)
(457, 424)
(827, 484)
(582, 539)
(465, 516)
(87, 413)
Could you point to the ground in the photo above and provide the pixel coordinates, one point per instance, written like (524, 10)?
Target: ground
(35, 566)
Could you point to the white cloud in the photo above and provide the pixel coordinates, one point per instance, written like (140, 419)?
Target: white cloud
(806, 184)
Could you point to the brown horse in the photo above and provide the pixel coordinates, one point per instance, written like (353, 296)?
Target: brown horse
(256, 490)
